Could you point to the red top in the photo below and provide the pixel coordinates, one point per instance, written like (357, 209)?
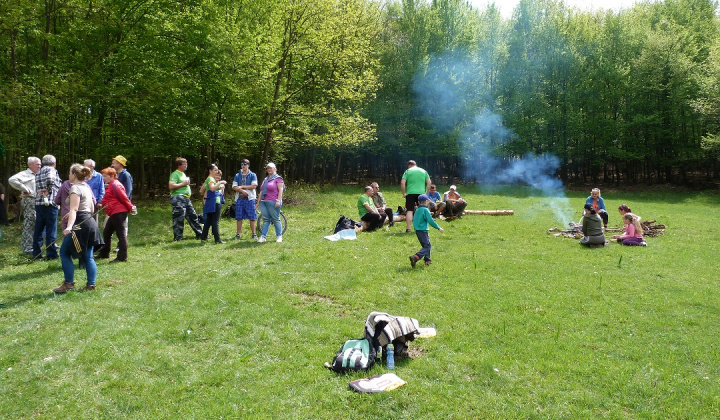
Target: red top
(115, 199)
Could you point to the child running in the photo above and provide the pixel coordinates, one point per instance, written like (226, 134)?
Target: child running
(421, 219)
(633, 232)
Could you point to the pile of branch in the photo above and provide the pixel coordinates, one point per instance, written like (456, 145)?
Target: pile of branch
(571, 233)
(651, 229)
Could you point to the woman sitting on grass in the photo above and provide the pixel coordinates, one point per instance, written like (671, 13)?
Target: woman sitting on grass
(81, 232)
(633, 232)
(623, 209)
(592, 227)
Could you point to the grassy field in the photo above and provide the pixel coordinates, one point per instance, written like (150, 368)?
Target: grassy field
(529, 325)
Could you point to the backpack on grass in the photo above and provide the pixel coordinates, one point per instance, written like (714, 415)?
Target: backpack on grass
(354, 355)
(346, 223)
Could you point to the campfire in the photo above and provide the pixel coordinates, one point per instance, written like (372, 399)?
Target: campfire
(574, 230)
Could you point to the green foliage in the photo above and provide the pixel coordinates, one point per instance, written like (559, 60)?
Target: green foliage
(614, 95)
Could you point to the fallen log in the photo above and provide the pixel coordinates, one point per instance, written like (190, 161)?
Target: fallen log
(491, 212)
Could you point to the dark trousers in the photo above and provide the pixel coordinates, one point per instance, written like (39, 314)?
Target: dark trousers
(374, 220)
(213, 219)
(183, 209)
(115, 224)
(3, 213)
(45, 224)
(424, 238)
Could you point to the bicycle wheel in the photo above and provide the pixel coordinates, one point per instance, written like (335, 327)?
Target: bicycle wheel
(283, 220)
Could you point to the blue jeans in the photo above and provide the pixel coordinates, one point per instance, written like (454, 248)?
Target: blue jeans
(270, 212)
(45, 223)
(424, 238)
(67, 263)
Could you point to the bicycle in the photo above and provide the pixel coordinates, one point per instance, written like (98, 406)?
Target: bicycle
(229, 212)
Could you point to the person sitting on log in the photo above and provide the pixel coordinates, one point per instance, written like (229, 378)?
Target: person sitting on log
(598, 204)
(436, 205)
(454, 203)
(370, 217)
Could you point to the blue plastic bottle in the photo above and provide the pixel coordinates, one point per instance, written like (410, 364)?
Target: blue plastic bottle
(390, 357)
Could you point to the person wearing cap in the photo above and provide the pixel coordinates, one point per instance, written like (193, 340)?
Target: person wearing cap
(182, 207)
(454, 203)
(24, 182)
(270, 203)
(119, 163)
(592, 227)
(415, 181)
(421, 221)
(369, 215)
(436, 204)
(245, 185)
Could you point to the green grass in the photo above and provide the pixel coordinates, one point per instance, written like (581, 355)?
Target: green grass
(529, 325)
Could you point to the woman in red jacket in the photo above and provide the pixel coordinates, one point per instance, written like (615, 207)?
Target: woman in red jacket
(117, 206)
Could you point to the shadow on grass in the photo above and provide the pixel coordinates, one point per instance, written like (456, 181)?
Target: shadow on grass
(39, 271)
(14, 302)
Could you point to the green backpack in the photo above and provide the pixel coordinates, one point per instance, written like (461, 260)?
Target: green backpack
(354, 355)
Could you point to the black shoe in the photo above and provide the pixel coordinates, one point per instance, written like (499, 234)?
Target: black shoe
(178, 239)
(117, 261)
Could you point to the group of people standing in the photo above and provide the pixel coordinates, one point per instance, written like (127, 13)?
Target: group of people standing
(44, 197)
(595, 220)
(247, 203)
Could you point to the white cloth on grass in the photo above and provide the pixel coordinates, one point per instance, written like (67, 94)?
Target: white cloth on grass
(348, 234)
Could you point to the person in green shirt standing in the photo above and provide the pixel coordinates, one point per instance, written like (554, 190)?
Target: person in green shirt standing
(415, 181)
(182, 208)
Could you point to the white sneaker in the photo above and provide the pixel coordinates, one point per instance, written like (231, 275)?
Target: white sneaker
(279, 239)
(261, 239)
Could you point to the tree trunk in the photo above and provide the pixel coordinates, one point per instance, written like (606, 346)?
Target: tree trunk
(338, 171)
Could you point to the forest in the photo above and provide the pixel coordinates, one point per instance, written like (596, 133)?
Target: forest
(343, 91)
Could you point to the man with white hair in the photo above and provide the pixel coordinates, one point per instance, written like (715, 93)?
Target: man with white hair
(24, 182)
(95, 181)
(454, 203)
(47, 186)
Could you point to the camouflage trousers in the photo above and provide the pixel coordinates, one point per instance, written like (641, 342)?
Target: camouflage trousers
(183, 209)
(28, 230)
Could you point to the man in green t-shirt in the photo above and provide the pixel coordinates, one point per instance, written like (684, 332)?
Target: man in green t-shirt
(182, 208)
(415, 181)
(371, 218)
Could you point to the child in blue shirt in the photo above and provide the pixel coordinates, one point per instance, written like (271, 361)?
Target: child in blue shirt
(421, 219)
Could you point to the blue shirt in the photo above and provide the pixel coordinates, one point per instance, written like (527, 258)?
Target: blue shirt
(126, 180)
(435, 197)
(97, 185)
